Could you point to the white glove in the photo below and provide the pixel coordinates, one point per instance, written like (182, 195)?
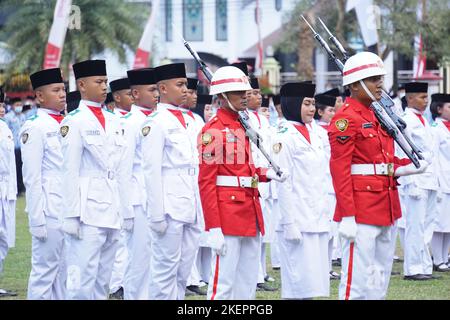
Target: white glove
(411, 169)
(414, 192)
(72, 226)
(292, 233)
(39, 232)
(128, 224)
(347, 228)
(272, 175)
(216, 241)
(159, 227)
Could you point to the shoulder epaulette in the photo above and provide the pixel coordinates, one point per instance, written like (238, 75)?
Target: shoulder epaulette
(153, 114)
(74, 112)
(33, 117)
(109, 111)
(435, 124)
(126, 116)
(282, 129)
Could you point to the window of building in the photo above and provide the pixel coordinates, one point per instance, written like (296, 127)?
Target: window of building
(193, 20)
(221, 20)
(278, 4)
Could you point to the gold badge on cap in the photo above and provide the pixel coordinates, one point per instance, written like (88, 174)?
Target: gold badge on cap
(146, 131)
(342, 124)
(64, 131)
(24, 138)
(206, 138)
(277, 147)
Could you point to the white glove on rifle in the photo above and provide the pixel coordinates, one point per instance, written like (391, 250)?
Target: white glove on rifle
(347, 228)
(160, 227)
(292, 233)
(272, 175)
(39, 232)
(72, 226)
(411, 169)
(128, 224)
(216, 241)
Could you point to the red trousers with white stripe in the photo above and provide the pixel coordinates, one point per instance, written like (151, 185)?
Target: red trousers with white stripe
(367, 263)
(234, 276)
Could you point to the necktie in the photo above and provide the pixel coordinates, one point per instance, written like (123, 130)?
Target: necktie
(57, 117)
(447, 124)
(179, 115)
(97, 111)
(420, 118)
(147, 112)
(257, 116)
(304, 131)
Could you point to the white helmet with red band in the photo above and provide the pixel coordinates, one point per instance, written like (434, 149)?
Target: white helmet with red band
(227, 79)
(361, 66)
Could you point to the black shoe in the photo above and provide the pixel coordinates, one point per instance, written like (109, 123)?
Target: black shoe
(196, 290)
(6, 293)
(275, 268)
(417, 277)
(118, 295)
(432, 277)
(264, 287)
(334, 275)
(441, 267)
(395, 273)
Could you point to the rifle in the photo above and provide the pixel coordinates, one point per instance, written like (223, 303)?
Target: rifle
(243, 117)
(391, 123)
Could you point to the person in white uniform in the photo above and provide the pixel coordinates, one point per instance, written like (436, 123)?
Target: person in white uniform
(42, 175)
(440, 243)
(420, 191)
(8, 187)
(137, 274)
(93, 145)
(170, 164)
(304, 225)
(121, 94)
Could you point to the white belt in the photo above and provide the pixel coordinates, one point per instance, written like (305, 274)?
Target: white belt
(235, 181)
(382, 169)
(179, 171)
(107, 174)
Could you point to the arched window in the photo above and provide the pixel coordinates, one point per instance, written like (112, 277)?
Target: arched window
(221, 20)
(193, 20)
(278, 4)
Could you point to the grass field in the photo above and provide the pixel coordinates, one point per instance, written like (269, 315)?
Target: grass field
(17, 268)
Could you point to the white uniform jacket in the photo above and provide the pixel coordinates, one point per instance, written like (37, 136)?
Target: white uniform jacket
(422, 136)
(302, 196)
(170, 162)
(8, 182)
(42, 167)
(92, 166)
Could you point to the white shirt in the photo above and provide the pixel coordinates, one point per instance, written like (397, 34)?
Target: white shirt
(442, 135)
(42, 167)
(8, 182)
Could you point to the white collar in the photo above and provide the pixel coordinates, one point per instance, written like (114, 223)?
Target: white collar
(416, 111)
(91, 103)
(49, 111)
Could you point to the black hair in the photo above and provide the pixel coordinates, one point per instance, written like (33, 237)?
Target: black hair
(434, 108)
(291, 108)
(319, 106)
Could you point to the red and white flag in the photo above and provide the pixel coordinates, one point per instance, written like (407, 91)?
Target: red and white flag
(57, 34)
(142, 57)
(420, 59)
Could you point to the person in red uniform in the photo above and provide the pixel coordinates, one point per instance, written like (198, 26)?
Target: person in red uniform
(228, 182)
(364, 171)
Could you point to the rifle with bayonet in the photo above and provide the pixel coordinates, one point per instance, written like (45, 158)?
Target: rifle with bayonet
(391, 122)
(243, 117)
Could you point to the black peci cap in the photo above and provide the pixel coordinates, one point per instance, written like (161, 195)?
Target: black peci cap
(192, 83)
(325, 100)
(143, 76)
(416, 87)
(170, 71)
(45, 77)
(298, 89)
(119, 84)
(89, 68)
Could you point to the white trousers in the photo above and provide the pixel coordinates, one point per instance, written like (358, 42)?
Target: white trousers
(137, 273)
(11, 224)
(420, 218)
(367, 263)
(48, 272)
(304, 266)
(89, 262)
(440, 245)
(120, 263)
(172, 256)
(4, 212)
(234, 276)
(274, 246)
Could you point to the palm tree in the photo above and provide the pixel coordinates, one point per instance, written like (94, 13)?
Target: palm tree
(114, 24)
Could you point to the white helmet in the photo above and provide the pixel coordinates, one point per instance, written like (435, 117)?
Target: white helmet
(228, 79)
(361, 66)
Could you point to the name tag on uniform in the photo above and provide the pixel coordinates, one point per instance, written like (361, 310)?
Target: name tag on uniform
(92, 132)
(367, 125)
(52, 134)
(174, 130)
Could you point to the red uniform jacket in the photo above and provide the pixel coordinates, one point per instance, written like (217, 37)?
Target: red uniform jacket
(356, 137)
(224, 150)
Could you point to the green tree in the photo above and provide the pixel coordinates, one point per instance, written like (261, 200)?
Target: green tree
(114, 24)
